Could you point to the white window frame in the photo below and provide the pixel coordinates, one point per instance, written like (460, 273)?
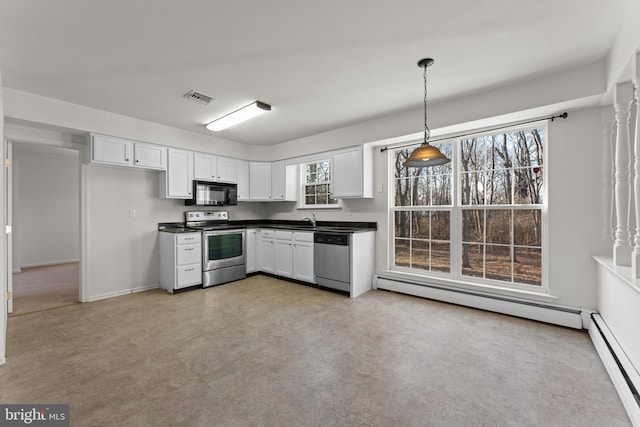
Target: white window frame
(455, 276)
(303, 183)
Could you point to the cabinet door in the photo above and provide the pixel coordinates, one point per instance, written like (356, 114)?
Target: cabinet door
(226, 170)
(188, 275)
(260, 181)
(242, 178)
(110, 150)
(204, 166)
(346, 179)
(303, 261)
(150, 156)
(251, 259)
(278, 184)
(179, 175)
(284, 258)
(266, 255)
(188, 254)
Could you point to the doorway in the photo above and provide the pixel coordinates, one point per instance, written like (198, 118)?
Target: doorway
(45, 231)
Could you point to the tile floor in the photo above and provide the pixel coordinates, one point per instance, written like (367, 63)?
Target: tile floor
(265, 352)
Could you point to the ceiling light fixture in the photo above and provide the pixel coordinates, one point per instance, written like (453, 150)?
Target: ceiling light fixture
(426, 155)
(245, 113)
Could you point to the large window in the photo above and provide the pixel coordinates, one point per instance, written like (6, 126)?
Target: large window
(478, 218)
(316, 185)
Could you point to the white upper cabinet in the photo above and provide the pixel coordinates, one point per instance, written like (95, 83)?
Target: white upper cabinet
(352, 173)
(260, 181)
(284, 181)
(278, 181)
(149, 156)
(226, 170)
(242, 178)
(204, 166)
(110, 150)
(272, 181)
(177, 181)
(214, 168)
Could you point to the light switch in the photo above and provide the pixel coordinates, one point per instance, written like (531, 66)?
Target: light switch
(379, 188)
(132, 213)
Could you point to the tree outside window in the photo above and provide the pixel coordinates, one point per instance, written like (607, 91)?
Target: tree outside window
(489, 212)
(317, 184)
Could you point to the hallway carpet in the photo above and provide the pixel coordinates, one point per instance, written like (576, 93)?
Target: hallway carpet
(46, 287)
(266, 352)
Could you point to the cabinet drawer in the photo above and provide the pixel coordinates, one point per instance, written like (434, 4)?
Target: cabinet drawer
(188, 275)
(284, 235)
(302, 236)
(188, 238)
(188, 254)
(268, 234)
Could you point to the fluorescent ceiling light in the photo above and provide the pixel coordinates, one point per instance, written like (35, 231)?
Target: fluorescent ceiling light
(239, 116)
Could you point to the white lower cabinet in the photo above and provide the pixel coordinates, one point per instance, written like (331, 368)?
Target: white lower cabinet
(266, 251)
(294, 255)
(180, 260)
(303, 256)
(284, 253)
(251, 235)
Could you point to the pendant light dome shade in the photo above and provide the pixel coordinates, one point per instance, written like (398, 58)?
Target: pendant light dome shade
(426, 155)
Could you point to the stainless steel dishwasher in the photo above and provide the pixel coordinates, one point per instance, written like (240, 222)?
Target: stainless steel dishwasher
(332, 260)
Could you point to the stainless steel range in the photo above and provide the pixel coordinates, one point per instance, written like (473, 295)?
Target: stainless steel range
(223, 247)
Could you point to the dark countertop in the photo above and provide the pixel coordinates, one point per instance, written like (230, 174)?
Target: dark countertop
(321, 226)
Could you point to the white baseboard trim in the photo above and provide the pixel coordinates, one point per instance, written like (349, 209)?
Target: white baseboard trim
(3, 361)
(45, 264)
(564, 316)
(122, 292)
(143, 288)
(624, 376)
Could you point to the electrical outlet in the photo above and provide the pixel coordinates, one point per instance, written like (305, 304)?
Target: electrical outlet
(380, 188)
(132, 213)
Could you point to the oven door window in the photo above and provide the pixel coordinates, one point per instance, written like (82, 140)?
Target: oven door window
(224, 246)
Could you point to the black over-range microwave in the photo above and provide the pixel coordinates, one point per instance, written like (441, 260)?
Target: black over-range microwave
(207, 193)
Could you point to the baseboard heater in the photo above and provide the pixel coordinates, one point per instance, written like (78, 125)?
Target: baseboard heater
(624, 376)
(564, 316)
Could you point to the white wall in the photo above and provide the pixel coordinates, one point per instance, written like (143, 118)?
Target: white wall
(45, 205)
(574, 215)
(573, 198)
(122, 252)
(618, 302)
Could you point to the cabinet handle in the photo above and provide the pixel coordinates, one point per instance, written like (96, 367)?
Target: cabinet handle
(126, 160)
(189, 249)
(189, 238)
(189, 269)
(137, 161)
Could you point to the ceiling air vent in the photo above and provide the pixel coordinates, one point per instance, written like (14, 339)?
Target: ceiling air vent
(198, 97)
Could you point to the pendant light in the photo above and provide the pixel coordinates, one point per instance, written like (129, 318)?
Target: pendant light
(426, 155)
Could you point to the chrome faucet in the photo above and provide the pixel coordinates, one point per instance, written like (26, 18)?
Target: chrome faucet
(311, 220)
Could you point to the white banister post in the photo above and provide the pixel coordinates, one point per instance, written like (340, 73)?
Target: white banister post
(623, 97)
(635, 256)
(606, 247)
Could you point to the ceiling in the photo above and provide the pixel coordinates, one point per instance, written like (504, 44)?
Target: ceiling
(321, 64)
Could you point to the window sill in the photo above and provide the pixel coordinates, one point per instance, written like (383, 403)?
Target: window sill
(418, 280)
(319, 208)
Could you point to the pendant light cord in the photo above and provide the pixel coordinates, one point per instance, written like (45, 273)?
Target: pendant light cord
(552, 118)
(427, 131)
